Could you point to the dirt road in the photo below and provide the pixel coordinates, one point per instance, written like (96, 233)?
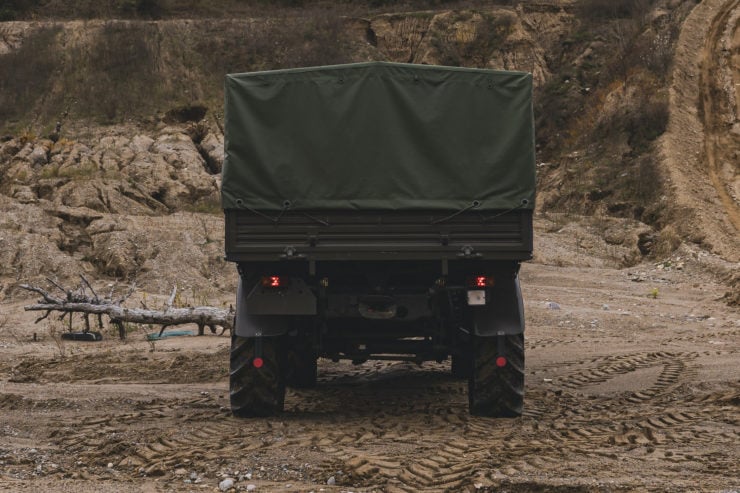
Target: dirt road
(632, 385)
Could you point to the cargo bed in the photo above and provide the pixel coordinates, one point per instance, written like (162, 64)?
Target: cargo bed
(252, 236)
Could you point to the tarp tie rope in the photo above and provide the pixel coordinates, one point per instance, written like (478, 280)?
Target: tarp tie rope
(473, 205)
(316, 219)
(286, 207)
(262, 214)
(521, 205)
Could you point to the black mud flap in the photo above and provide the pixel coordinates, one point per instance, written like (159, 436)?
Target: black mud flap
(295, 299)
(503, 314)
(251, 325)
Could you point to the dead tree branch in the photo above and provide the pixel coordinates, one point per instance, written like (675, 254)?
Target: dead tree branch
(79, 302)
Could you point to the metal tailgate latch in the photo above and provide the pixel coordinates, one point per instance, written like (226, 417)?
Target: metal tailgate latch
(468, 251)
(290, 253)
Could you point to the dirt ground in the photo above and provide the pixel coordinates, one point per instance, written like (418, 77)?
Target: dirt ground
(631, 385)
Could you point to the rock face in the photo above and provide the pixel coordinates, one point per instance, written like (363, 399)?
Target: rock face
(499, 38)
(105, 207)
(142, 202)
(140, 174)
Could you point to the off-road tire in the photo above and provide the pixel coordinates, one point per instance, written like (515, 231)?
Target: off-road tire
(256, 391)
(493, 391)
(302, 367)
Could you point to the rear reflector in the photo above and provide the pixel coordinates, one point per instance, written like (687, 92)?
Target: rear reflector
(481, 282)
(258, 362)
(500, 361)
(275, 281)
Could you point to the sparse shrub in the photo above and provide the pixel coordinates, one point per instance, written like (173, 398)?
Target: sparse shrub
(27, 136)
(206, 205)
(20, 176)
(472, 48)
(51, 171)
(79, 172)
(732, 297)
(647, 121)
(55, 332)
(63, 143)
(668, 241)
(186, 113)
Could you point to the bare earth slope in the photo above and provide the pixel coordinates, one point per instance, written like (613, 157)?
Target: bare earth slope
(703, 138)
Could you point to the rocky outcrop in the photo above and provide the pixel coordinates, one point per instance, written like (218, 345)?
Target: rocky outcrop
(140, 174)
(498, 37)
(105, 207)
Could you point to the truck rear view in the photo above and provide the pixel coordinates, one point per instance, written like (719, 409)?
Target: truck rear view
(378, 211)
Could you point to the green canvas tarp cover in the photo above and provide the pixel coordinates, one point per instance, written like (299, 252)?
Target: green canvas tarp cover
(379, 136)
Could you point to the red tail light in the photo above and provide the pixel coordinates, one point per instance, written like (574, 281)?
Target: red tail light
(481, 282)
(275, 281)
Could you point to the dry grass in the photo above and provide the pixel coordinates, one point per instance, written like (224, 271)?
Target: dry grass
(668, 241)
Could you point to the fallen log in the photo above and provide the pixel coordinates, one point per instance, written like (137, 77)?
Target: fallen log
(79, 301)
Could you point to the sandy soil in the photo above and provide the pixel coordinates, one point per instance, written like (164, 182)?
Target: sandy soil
(632, 385)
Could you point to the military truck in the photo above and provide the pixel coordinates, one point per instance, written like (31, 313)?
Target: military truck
(378, 211)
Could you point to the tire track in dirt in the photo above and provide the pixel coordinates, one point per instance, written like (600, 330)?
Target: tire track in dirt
(704, 335)
(604, 368)
(465, 462)
(549, 342)
(399, 427)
